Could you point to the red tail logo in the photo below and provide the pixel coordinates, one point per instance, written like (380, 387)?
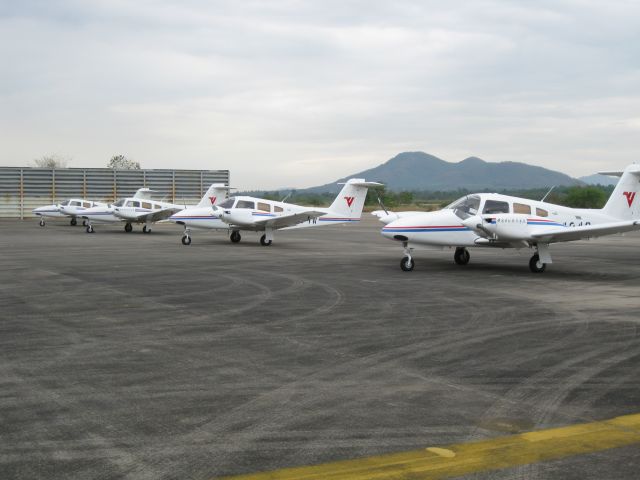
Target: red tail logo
(630, 196)
(351, 199)
(213, 200)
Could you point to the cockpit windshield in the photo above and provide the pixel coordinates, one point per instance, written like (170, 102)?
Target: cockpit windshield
(466, 206)
(228, 203)
(119, 203)
(65, 203)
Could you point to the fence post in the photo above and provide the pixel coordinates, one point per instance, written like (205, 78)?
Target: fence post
(21, 194)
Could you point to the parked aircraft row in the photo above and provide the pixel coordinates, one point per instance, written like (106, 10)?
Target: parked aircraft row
(215, 212)
(487, 220)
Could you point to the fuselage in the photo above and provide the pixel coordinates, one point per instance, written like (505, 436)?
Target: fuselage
(72, 207)
(241, 213)
(511, 220)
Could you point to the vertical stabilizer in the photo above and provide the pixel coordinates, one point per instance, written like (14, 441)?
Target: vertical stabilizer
(624, 202)
(350, 201)
(216, 193)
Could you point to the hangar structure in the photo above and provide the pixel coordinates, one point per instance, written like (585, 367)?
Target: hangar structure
(25, 188)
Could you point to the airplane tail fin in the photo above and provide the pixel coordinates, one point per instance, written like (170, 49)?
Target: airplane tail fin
(350, 201)
(216, 193)
(623, 203)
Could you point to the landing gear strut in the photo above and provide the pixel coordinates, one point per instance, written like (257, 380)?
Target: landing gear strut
(74, 222)
(462, 256)
(540, 259)
(128, 228)
(235, 236)
(407, 263)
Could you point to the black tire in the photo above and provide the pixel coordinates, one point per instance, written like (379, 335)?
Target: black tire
(407, 264)
(128, 228)
(264, 242)
(235, 236)
(462, 256)
(74, 222)
(89, 229)
(186, 240)
(535, 265)
(42, 222)
(145, 229)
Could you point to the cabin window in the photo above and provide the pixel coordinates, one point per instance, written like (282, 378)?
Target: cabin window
(75, 203)
(146, 205)
(541, 213)
(278, 209)
(86, 204)
(157, 207)
(245, 204)
(264, 207)
(228, 203)
(495, 206)
(521, 208)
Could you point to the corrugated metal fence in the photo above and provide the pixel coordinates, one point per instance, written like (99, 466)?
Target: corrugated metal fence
(24, 188)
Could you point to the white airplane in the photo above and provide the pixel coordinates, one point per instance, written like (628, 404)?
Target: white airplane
(242, 213)
(69, 208)
(493, 220)
(137, 209)
(201, 216)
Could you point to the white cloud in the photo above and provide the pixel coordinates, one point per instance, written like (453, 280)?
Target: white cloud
(299, 93)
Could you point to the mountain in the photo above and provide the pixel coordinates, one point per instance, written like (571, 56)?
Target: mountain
(598, 179)
(421, 171)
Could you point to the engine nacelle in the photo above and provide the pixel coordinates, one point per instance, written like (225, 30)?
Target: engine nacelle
(237, 216)
(508, 227)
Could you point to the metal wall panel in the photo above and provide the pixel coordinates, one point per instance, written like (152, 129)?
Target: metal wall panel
(23, 189)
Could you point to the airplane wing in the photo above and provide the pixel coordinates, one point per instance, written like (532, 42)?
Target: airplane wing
(290, 220)
(587, 231)
(156, 216)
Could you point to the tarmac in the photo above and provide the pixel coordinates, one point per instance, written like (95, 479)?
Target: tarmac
(133, 356)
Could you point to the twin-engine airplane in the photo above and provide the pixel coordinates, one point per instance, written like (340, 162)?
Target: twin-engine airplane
(74, 208)
(137, 209)
(242, 213)
(493, 220)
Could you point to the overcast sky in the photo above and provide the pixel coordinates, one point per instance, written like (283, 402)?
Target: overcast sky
(299, 93)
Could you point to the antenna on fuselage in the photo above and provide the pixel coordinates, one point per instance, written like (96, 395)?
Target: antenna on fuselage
(288, 195)
(547, 194)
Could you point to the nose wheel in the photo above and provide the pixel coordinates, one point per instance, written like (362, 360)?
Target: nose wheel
(186, 240)
(90, 229)
(462, 256)
(42, 222)
(146, 229)
(407, 263)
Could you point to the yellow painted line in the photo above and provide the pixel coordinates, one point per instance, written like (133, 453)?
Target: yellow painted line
(466, 458)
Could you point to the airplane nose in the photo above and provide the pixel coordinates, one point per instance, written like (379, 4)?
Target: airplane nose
(472, 222)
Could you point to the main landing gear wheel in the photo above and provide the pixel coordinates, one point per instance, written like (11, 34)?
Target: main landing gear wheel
(146, 229)
(264, 242)
(407, 264)
(186, 240)
(462, 256)
(42, 222)
(128, 228)
(74, 222)
(535, 265)
(235, 236)
(90, 229)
